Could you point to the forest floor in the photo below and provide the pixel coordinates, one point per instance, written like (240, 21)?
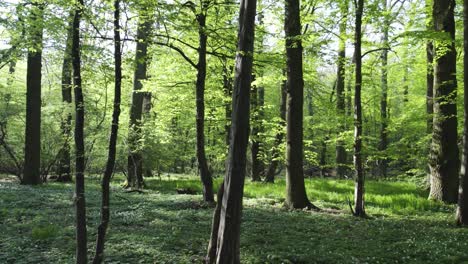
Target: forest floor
(160, 226)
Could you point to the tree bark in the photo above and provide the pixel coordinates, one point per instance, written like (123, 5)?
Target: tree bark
(444, 160)
(358, 166)
(135, 159)
(296, 196)
(63, 168)
(32, 150)
(205, 174)
(384, 95)
(275, 155)
(105, 201)
(80, 203)
(462, 209)
(228, 239)
(340, 91)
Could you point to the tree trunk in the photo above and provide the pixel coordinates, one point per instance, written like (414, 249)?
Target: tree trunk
(205, 174)
(228, 240)
(444, 160)
(63, 168)
(462, 209)
(105, 201)
(275, 155)
(32, 151)
(296, 196)
(359, 182)
(384, 96)
(340, 91)
(80, 203)
(257, 167)
(135, 159)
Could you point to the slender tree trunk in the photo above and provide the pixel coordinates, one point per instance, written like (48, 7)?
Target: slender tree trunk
(32, 152)
(205, 174)
(255, 146)
(384, 96)
(275, 155)
(105, 202)
(462, 209)
(359, 182)
(340, 91)
(228, 240)
(296, 196)
(80, 203)
(63, 168)
(135, 159)
(444, 160)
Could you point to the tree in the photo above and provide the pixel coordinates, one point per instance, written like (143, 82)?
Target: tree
(225, 238)
(63, 166)
(135, 159)
(296, 196)
(105, 202)
(340, 88)
(358, 166)
(384, 89)
(32, 151)
(462, 209)
(205, 173)
(279, 138)
(444, 155)
(80, 203)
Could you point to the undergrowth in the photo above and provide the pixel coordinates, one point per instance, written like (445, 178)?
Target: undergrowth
(160, 226)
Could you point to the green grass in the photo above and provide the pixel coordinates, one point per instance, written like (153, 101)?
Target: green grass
(159, 226)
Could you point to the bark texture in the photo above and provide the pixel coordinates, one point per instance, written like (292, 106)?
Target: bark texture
(444, 155)
(228, 238)
(32, 150)
(296, 196)
(358, 166)
(80, 203)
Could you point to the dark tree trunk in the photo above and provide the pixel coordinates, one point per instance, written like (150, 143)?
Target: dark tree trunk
(32, 151)
(63, 168)
(275, 155)
(135, 159)
(384, 97)
(105, 202)
(205, 174)
(444, 160)
(227, 243)
(462, 209)
(358, 166)
(296, 196)
(340, 91)
(80, 203)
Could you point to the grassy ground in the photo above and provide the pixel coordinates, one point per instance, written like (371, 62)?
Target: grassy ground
(159, 226)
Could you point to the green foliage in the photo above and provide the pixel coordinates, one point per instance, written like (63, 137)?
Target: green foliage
(161, 226)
